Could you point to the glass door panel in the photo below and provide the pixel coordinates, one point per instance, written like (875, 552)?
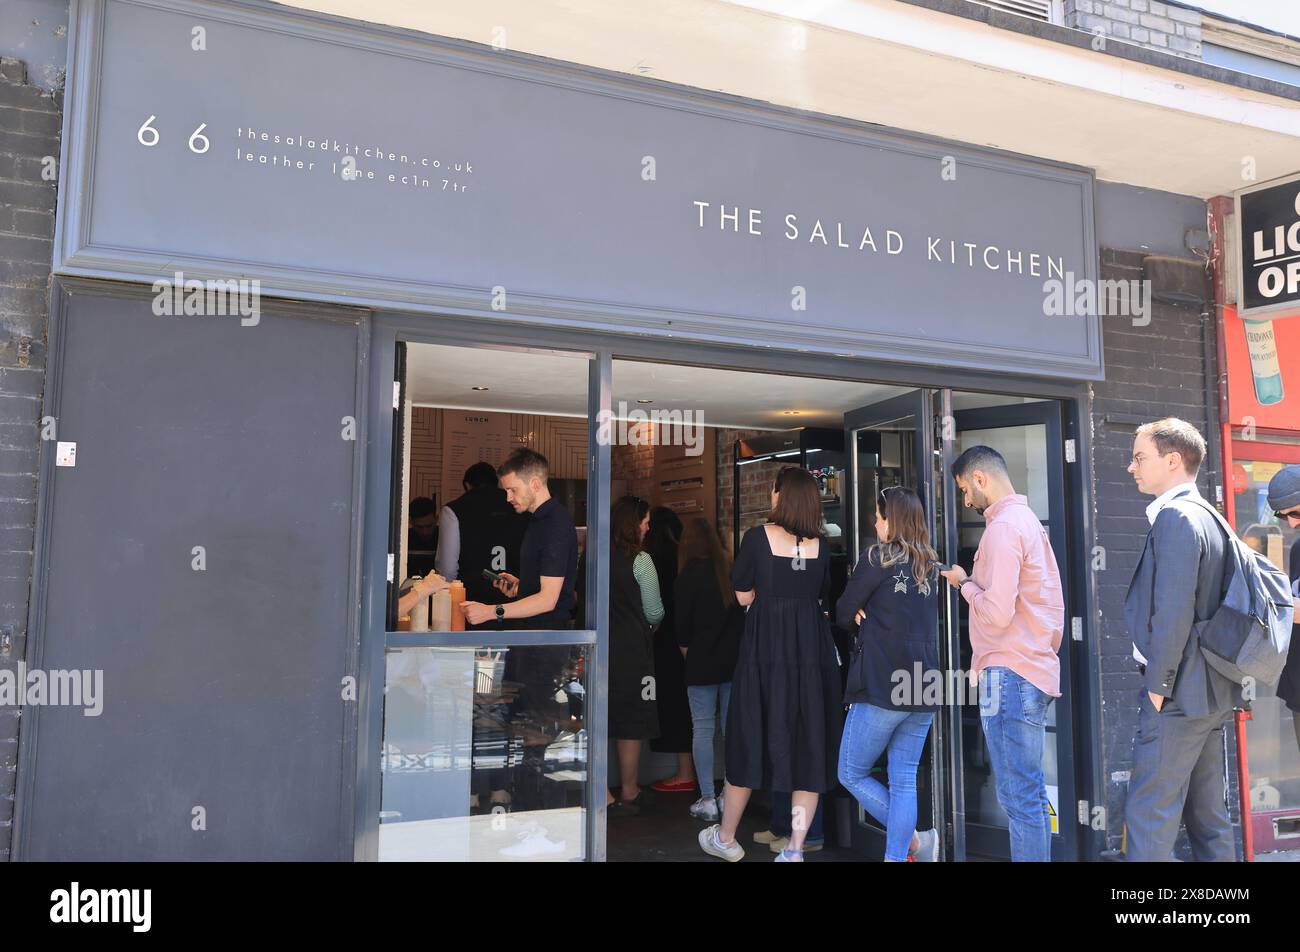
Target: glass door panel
(889, 444)
(1273, 731)
(489, 723)
(1028, 437)
(484, 754)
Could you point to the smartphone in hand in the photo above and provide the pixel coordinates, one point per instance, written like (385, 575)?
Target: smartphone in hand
(505, 583)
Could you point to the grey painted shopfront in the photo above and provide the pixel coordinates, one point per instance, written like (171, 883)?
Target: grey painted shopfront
(486, 198)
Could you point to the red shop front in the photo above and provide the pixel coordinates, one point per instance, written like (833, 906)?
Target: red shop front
(1261, 434)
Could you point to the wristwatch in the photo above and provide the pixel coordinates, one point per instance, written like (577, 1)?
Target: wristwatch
(501, 612)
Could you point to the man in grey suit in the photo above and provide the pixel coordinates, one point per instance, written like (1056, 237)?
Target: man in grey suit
(1178, 751)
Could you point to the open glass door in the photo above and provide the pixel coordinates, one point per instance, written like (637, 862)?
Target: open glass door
(911, 440)
(1028, 435)
(891, 444)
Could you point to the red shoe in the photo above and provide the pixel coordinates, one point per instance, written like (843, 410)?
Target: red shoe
(673, 786)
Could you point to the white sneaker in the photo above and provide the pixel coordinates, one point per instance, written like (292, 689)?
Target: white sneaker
(710, 843)
(927, 846)
(789, 856)
(705, 808)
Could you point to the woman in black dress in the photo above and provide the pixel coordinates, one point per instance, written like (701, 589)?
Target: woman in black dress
(634, 610)
(784, 720)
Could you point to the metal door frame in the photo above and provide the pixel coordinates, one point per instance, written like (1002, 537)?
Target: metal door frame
(937, 445)
(606, 348)
(1049, 414)
(388, 330)
(917, 404)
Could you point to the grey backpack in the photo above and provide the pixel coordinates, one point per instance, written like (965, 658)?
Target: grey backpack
(1248, 636)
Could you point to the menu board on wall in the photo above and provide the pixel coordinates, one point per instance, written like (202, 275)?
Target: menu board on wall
(469, 437)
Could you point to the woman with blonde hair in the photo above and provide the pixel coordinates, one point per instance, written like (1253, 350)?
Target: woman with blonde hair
(891, 599)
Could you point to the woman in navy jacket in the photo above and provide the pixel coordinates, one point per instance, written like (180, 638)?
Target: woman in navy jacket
(892, 600)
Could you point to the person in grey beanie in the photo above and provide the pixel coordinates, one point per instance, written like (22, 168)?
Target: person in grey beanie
(1284, 500)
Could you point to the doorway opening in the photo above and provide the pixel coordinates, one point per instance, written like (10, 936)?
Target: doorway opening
(704, 443)
(707, 443)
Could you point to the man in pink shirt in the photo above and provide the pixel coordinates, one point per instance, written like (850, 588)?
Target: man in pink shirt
(1017, 616)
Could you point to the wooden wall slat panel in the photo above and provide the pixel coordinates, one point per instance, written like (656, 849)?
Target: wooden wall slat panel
(426, 452)
(562, 440)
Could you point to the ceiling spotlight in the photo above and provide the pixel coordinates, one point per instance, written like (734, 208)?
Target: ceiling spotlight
(480, 388)
(643, 400)
(791, 412)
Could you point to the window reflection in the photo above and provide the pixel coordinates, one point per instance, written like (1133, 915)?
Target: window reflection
(1273, 733)
(484, 754)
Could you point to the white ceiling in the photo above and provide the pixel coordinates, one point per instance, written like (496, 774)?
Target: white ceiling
(735, 398)
(520, 381)
(903, 66)
(546, 382)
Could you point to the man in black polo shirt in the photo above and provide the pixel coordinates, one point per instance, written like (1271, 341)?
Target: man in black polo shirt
(548, 558)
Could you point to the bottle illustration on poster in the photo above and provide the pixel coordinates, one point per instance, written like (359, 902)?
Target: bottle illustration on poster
(1262, 363)
(1261, 344)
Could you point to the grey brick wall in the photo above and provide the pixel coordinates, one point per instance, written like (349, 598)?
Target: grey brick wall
(29, 143)
(1152, 371)
(1150, 23)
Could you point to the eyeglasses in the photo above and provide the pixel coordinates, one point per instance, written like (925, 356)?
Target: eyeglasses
(1140, 458)
(1289, 514)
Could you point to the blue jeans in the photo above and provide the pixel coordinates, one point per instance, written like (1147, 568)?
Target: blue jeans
(705, 699)
(1013, 712)
(868, 732)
